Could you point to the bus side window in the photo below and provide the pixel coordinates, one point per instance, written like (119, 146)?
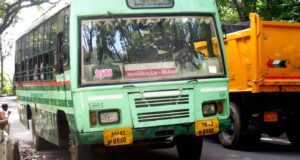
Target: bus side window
(47, 68)
(60, 54)
(66, 24)
(35, 72)
(30, 69)
(26, 70)
(42, 71)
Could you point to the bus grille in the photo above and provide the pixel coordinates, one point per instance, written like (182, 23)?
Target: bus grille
(161, 101)
(163, 115)
(163, 108)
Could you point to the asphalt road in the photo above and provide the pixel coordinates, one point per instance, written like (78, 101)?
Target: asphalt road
(268, 149)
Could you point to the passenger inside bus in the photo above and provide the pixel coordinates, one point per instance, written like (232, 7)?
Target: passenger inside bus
(42, 71)
(36, 72)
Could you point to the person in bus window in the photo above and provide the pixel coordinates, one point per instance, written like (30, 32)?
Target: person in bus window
(42, 71)
(35, 72)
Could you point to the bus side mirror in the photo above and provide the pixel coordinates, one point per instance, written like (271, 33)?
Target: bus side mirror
(224, 30)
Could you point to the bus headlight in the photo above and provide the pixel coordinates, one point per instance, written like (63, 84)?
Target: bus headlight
(209, 109)
(109, 116)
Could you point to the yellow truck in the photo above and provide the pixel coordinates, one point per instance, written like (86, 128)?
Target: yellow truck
(264, 72)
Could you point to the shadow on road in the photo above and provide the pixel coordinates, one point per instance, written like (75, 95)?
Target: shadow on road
(56, 153)
(266, 145)
(162, 154)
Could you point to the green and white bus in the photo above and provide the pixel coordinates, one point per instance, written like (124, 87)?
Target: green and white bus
(123, 73)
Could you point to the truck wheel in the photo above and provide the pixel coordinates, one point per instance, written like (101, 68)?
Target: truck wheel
(293, 133)
(235, 137)
(294, 137)
(189, 147)
(79, 152)
(275, 133)
(231, 137)
(38, 142)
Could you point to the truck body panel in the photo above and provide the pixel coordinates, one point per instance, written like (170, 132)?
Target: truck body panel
(264, 58)
(264, 87)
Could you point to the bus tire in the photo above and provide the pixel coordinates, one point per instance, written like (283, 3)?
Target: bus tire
(231, 137)
(188, 147)
(79, 152)
(38, 142)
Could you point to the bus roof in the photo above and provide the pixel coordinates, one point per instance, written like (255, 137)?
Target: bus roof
(83, 8)
(45, 16)
(99, 7)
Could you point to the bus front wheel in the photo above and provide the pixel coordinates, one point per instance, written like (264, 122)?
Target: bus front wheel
(189, 147)
(79, 152)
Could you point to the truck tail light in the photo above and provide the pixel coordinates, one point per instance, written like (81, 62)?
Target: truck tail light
(270, 117)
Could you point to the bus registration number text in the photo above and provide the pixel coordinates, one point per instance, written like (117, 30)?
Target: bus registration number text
(206, 127)
(117, 137)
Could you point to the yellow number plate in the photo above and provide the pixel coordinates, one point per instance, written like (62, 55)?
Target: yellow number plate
(207, 127)
(118, 137)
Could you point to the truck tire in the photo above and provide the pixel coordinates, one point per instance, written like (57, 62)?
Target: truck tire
(293, 132)
(188, 147)
(231, 137)
(235, 137)
(79, 152)
(294, 137)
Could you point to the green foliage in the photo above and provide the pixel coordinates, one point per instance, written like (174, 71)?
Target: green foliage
(8, 88)
(278, 10)
(9, 10)
(227, 12)
(291, 10)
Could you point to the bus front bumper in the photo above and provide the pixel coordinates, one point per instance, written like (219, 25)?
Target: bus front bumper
(151, 133)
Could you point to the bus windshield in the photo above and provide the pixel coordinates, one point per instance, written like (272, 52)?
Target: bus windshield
(121, 50)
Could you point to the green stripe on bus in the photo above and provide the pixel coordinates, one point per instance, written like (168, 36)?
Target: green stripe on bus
(47, 101)
(47, 88)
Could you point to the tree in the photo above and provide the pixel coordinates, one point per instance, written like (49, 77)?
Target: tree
(232, 11)
(9, 10)
(5, 52)
(227, 11)
(290, 10)
(238, 9)
(8, 15)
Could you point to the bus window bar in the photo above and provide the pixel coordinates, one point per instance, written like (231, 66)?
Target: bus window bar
(30, 56)
(30, 75)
